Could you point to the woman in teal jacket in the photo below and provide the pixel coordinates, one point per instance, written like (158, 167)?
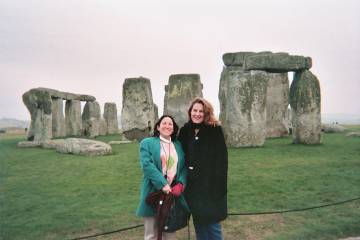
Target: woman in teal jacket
(163, 164)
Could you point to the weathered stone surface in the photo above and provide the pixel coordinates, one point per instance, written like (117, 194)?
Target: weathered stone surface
(351, 238)
(236, 59)
(138, 113)
(242, 96)
(111, 119)
(73, 118)
(305, 101)
(81, 146)
(353, 134)
(180, 91)
(267, 61)
(102, 127)
(277, 102)
(52, 144)
(332, 128)
(156, 115)
(118, 142)
(39, 104)
(91, 119)
(66, 95)
(58, 120)
(277, 62)
(28, 144)
(46, 109)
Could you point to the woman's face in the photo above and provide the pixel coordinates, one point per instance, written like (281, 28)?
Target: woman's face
(166, 127)
(197, 113)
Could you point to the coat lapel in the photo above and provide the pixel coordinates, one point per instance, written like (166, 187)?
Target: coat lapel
(156, 153)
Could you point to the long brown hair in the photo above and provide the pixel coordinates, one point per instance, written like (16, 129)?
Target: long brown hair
(209, 116)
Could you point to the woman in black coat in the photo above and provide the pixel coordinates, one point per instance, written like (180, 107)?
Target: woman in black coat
(206, 159)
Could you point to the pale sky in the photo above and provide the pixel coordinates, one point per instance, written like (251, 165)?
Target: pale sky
(91, 46)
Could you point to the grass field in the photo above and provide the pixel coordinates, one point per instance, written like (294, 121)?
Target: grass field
(48, 195)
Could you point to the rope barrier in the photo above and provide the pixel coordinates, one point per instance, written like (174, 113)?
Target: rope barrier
(294, 210)
(107, 233)
(231, 214)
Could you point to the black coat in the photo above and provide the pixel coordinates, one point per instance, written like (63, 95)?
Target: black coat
(207, 163)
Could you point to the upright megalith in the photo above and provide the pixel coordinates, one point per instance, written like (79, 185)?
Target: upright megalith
(273, 67)
(111, 119)
(138, 114)
(39, 104)
(73, 117)
(58, 120)
(180, 91)
(305, 101)
(103, 127)
(242, 96)
(277, 103)
(46, 109)
(91, 119)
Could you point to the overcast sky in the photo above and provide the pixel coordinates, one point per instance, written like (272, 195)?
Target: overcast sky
(91, 46)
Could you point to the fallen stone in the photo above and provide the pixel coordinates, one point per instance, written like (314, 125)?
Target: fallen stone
(118, 142)
(29, 144)
(332, 128)
(353, 134)
(52, 144)
(87, 147)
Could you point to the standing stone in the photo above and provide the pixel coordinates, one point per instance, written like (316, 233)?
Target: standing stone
(277, 105)
(138, 111)
(305, 101)
(73, 117)
(58, 120)
(156, 115)
(102, 127)
(242, 96)
(110, 116)
(39, 104)
(179, 93)
(91, 119)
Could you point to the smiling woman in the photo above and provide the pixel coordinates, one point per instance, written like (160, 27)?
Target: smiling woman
(163, 164)
(207, 162)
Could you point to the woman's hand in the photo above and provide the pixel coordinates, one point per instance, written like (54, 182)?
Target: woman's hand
(166, 189)
(177, 189)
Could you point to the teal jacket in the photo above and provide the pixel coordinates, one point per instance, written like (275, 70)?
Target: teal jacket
(153, 179)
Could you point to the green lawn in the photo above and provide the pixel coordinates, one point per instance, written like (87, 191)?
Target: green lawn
(48, 195)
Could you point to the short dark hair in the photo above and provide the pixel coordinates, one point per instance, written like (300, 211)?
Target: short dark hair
(175, 127)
